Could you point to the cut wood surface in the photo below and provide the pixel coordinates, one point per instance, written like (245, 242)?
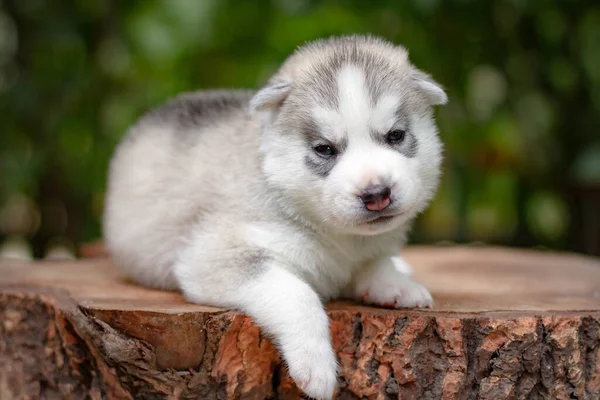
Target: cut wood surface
(507, 324)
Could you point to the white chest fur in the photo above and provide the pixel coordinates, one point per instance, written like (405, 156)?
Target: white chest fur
(326, 262)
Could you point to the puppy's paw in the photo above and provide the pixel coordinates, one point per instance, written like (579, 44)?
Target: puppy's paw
(398, 294)
(314, 369)
(387, 284)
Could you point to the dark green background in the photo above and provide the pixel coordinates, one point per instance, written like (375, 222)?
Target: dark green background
(521, 130)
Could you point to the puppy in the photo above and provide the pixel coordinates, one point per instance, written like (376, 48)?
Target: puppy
(276, 201)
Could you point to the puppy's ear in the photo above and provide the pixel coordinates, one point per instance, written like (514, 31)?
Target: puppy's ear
(432, 90)
(270, 97)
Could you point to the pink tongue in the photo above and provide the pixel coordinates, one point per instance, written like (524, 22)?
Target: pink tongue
(378, 205)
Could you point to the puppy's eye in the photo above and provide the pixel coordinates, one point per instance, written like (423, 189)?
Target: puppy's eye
(396, 136)
(325, 150)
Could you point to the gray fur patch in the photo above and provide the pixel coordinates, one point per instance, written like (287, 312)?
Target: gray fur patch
(194, 109)
(409, 146)
(253, 260)
(380, 75)
(200, 108)
(309, 128)
(318, 165)
(311, 132)
(385, 71)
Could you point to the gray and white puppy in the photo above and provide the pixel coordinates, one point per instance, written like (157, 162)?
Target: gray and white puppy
(276, 201)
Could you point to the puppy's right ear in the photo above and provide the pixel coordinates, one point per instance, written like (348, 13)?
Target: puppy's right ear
(433, 91)
(269, 99)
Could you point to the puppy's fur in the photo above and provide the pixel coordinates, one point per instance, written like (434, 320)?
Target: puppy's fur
(225, 196)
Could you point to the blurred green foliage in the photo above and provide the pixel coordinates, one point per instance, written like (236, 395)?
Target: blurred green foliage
(521, 131)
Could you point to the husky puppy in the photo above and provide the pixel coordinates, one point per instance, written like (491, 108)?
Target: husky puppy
(276, 201)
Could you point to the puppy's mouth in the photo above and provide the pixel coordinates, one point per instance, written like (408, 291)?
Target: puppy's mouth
(381, 219)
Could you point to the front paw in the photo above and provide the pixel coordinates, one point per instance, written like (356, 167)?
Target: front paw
(398, 294)
(314, 369)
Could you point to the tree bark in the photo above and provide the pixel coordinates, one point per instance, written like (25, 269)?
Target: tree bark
(507, 324)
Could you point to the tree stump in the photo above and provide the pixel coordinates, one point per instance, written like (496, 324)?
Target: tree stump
(507, 324)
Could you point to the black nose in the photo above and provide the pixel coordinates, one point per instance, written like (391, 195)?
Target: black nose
(375, 194)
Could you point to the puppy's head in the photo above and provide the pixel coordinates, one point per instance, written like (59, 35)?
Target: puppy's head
(349, 138)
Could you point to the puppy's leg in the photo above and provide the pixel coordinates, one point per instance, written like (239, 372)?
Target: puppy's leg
(281, 304)
(385, 282)
(401, 265)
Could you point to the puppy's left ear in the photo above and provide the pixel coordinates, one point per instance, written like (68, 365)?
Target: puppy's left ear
(432, 90)
(270, 98)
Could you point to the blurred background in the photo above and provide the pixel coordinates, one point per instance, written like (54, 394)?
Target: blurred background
(522, 129)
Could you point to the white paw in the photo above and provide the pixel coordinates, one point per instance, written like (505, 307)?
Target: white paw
(397, 293)
(387, 284)
(314, 369)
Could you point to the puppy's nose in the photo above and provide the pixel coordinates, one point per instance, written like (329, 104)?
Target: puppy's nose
(376, 198)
